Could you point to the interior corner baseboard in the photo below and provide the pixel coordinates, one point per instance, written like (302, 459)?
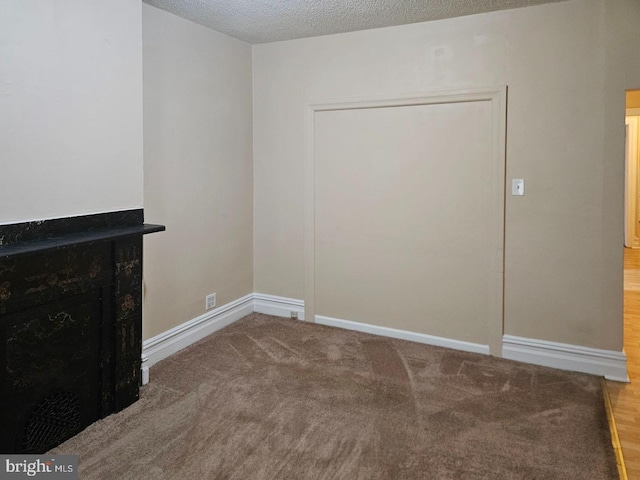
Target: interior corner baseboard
(404, 335)
(278, 306)
(167, 343)
(610, 364)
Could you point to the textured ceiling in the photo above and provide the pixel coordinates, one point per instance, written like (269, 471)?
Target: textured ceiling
(263, 21)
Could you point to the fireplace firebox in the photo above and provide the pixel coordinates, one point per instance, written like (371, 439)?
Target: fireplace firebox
(70, 325)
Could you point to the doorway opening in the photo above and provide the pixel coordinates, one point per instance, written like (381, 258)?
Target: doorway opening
(624, 396)
(631, 283)
(632, 170)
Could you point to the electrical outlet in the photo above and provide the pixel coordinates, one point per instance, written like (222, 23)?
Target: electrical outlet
(210, 301)
(294, 314)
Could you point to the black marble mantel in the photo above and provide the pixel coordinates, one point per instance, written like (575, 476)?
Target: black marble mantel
(70, 325)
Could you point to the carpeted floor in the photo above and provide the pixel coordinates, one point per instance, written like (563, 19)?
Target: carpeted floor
(272, 398)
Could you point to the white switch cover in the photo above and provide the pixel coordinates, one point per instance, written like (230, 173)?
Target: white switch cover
(517, 186)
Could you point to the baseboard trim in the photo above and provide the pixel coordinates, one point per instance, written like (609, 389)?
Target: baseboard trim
(403, 335)
(607, 363)
(167, 343)
(610, 364)
(278, 306)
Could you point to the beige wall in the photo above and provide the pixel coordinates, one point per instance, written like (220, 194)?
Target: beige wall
(70, 108)
(198, 169)
(388, 182)
(563, 239)
(71, 142)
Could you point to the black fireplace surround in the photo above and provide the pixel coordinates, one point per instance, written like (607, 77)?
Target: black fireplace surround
(70, 325)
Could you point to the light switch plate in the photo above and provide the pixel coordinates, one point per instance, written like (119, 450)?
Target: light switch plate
(517, 186)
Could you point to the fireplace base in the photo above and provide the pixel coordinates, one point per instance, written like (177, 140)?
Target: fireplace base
(70, 325)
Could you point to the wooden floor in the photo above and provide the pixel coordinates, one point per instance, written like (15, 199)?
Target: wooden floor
(625, 397)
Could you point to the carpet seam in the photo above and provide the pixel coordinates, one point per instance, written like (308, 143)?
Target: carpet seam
(615, 439)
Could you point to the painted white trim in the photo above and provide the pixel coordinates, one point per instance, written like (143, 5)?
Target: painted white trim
(607, 363)
(167, 343)
(279, 306)
(497, 95)
(403, 335)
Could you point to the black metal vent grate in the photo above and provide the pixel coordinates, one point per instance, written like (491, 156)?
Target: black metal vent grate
(54, 420)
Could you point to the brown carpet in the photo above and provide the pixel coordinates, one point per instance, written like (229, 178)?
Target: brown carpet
(272, 398)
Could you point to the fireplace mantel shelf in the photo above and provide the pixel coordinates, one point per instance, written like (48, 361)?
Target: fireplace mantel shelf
(16, 249)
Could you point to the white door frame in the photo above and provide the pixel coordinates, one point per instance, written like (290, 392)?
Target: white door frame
(498, 97)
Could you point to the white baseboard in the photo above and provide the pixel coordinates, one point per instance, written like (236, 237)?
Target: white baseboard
(607, 363)
(404, 335)
(610, 364)
(167, 343)
(279, 306)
